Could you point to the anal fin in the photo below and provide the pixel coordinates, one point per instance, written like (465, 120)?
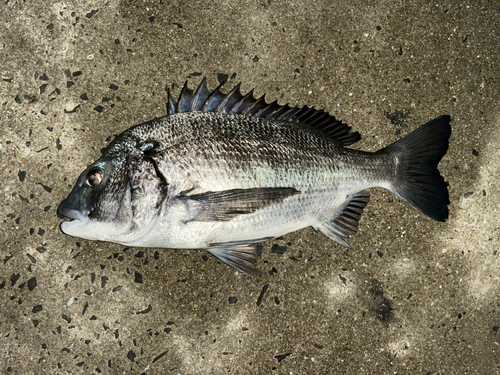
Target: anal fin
(346, 221)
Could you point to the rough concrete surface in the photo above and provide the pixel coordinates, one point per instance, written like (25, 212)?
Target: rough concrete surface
(413, 297)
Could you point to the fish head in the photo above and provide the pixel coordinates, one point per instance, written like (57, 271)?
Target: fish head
(116, 198)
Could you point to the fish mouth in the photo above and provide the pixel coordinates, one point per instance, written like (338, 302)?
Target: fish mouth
(78, 221)
(72, 214)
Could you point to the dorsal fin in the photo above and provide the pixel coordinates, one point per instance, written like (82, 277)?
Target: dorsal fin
(235, 102)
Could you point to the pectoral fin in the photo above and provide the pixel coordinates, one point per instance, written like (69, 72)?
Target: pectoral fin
(226, 205)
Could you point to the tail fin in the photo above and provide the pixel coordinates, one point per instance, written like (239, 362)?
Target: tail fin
(417, 178)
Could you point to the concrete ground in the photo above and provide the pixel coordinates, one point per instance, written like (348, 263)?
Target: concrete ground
(413, 297)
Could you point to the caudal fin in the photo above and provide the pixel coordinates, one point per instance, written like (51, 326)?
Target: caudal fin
(417, 178)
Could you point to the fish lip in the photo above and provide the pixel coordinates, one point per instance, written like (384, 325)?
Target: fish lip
(73, 214)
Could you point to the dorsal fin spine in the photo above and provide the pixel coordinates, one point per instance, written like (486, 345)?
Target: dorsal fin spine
(171, 104)
(247, 105)
(257, 102)
(212, 96)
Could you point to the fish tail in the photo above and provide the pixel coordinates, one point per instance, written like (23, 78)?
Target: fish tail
(417, 179)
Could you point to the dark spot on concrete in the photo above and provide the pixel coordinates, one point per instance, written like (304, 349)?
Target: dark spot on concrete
(131, 356)
(41, 232)
(276, 300)
(32, 283)
(73, 110)
(343, 279)
(50, 26)
(113, 87)
(17, 99)
(104, 281)
(272, 271)
(35, 323)
(93, 317)
(41, 249)
(179, 25)
(377, 303)
(117, 288)
(475, 153)
(99, 108)
(258, 249)
(66, 318)
(92, 13)
(380, 254)
(255, 59)
(69, 84)
(32, 258)
(137, 277)
(77, 73)
(151, 19)
(139, 254)
(36, 309)
(42, 88)
(276, 249)
(467, 195)
(159, 356)
(85, 308)
(84, 96)
(233, 300)
(45, 187)
(13, 278)
(281, 357)
(21, 175)
(58, 144)
(222, 78)
(398, 119)
(7, 258)
(261, 296)
(147, 310)
(43, 77)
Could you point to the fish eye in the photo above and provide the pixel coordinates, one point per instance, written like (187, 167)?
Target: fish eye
(94, 177)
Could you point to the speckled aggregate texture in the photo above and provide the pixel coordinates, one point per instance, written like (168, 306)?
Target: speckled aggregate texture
(413, 297)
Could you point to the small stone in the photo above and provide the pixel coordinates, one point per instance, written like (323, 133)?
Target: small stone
(131, 356)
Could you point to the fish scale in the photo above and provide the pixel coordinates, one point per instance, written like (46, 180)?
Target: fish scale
(224, 171)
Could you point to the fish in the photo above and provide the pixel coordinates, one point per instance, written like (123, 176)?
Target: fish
(223, 172)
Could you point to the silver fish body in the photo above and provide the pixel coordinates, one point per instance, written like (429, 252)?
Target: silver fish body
(210, 175)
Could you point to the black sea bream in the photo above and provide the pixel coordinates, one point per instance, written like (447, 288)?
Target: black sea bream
(224, 171)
